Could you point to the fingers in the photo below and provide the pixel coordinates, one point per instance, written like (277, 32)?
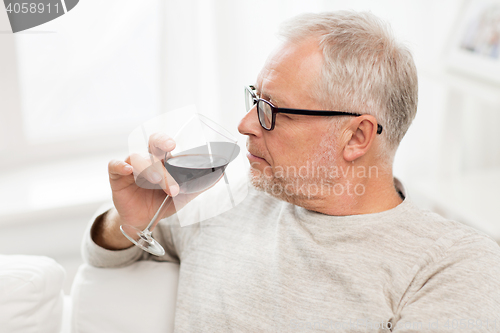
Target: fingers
(146, 168)
(160, 144)
(151, 174)
(118, 169)
(170, 186)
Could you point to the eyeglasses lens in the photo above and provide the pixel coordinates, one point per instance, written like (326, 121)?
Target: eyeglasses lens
(265, 114)
(249, 101)
(264, 110)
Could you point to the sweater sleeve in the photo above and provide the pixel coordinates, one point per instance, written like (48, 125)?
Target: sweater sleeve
(458, 290)
(98, 256)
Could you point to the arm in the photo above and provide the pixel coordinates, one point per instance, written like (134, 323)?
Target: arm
(102, 256)
(106, 233)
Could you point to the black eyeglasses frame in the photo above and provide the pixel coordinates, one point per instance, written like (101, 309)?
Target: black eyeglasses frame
(304, 112)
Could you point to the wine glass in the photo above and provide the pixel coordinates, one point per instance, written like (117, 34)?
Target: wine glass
(203, 151)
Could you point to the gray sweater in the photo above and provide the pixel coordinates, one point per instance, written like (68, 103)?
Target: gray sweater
(270, 266)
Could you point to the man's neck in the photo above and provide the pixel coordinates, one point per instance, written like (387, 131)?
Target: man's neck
(354, 196)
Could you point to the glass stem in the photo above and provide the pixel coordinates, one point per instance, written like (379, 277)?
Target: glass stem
(147, 231)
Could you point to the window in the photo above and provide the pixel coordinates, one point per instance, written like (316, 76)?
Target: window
(83, 80)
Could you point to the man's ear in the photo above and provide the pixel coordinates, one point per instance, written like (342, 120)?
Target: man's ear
(363, 132)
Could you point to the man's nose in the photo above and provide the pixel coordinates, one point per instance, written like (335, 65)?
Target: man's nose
(249, 124)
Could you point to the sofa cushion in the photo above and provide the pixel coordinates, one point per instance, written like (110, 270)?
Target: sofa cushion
(137, 298)
(31, 296)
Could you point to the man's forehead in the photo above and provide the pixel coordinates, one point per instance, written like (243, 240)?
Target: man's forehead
(276, 101)
(292, 68)
(265, 90)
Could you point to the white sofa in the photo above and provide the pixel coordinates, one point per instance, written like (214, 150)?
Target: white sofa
(136, 298)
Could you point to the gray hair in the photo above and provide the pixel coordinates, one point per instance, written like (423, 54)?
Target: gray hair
(365, 69)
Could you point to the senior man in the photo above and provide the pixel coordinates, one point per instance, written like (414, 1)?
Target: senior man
(327, 238)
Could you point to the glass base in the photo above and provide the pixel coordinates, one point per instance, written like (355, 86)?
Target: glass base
(145, 241)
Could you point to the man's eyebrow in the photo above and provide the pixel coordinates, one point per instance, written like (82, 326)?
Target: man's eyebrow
(267, 97)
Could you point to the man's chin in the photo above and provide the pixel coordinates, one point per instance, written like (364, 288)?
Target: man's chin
(257, 180)
(271, 186)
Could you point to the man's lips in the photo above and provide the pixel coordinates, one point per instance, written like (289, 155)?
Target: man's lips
(252, 157)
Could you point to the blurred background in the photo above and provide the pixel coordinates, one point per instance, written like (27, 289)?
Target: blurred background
(72, 90)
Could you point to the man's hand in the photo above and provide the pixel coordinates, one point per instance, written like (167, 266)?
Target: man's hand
(136, 205)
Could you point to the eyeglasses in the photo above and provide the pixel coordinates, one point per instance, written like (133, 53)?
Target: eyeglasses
(267, 112)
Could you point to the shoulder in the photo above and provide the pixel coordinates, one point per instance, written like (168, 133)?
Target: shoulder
(453, 273)
(421, 241)
(426, 229)
(452, 250)
(431, 229)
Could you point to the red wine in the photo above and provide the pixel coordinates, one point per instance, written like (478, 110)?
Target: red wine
(199, 168)
(196, 172)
